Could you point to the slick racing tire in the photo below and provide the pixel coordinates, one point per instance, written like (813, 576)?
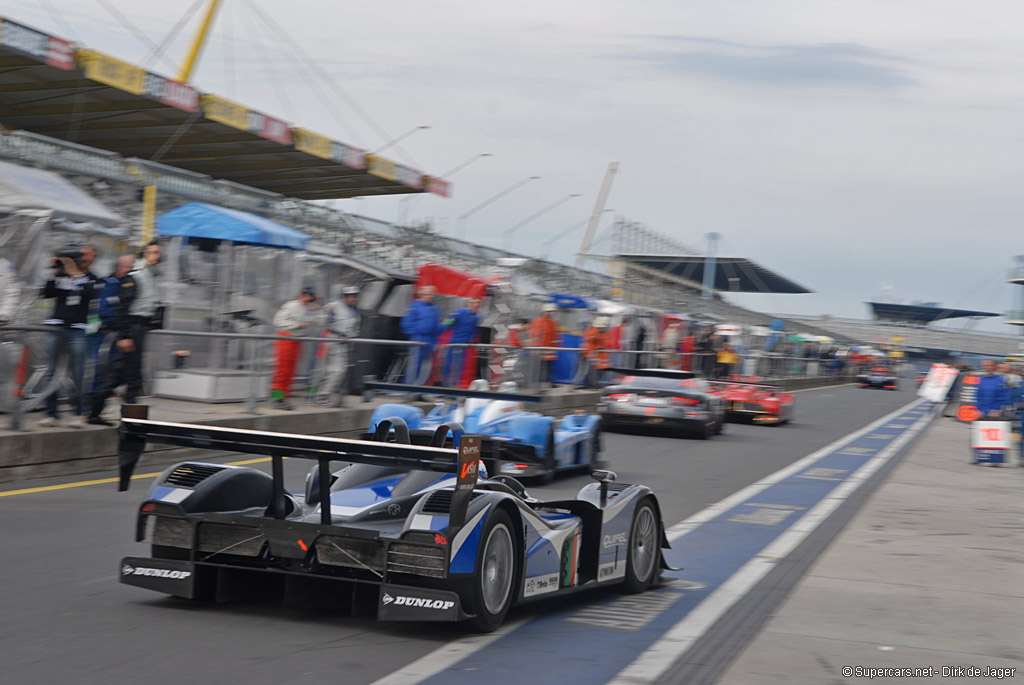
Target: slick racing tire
(550, 465)
(497, 568)
(595, 451)
(644, 554)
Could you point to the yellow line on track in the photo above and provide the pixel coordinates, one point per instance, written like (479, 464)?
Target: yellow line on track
(101, 481)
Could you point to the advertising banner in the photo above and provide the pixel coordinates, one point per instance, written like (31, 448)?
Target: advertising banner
(172, 93)
(48, 49)
(438, 186)
(225, 111)
(112, 72)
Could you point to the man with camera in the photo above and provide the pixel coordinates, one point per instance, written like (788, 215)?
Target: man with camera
(73, 288)
(138, 302)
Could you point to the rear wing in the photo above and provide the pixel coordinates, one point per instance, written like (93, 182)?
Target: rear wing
(136, 431)
(371, 386)
(655, 373)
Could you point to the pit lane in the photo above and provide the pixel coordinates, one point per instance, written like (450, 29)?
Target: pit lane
(67, 617)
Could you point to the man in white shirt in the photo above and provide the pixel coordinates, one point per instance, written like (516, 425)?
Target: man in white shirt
(294, 318)
(342, 322)
(10, 293)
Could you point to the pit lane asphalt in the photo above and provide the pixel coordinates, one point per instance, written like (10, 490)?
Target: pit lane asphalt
(66, 617)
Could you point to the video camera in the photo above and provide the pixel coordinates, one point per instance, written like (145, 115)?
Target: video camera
(69, 252)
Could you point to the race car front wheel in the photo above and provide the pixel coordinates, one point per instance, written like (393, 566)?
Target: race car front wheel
(644, 548)
(496, 571)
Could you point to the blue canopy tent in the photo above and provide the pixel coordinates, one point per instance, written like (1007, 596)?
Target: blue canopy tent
(200, 220)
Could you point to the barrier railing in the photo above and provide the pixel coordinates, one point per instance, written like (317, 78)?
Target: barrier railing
(497, 362)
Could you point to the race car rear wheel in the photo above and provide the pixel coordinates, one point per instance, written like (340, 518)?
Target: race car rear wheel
(644, 548)
(595, 450)
(496, 571)
(550, 465)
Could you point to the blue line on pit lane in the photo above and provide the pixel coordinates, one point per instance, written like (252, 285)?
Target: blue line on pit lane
(564, 646)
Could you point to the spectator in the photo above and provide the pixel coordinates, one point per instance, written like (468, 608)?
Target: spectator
(641, 340)
(73, 287)
(1009, 375)
(688, 348)
(992, 394)
(670, 340)
(109, 289)
(343, 322)
(595, 342)
(137, 299)
(617, 336)
(726, 360)
(544, 333)
(292, 319)
(10, 293)
(705, 348)
(421, 323)
(463, 322)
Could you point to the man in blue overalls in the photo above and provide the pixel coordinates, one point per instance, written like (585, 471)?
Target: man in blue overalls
(463, 322)
(421, 323)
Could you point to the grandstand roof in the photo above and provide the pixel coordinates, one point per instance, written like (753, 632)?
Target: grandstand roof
(732, 274)
(885, 311)
(51, 87)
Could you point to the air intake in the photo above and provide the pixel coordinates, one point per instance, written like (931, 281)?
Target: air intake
(191, 475)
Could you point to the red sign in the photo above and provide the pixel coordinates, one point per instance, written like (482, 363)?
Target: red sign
(438, 186)
(60, 54)
(270, 128)
(173, 93)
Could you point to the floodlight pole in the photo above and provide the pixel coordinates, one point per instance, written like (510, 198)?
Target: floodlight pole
(197, 43)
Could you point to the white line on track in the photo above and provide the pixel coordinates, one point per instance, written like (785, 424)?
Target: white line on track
(447, 656)
(650, 665)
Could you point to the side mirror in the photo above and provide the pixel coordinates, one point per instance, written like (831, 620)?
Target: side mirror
(603, 476)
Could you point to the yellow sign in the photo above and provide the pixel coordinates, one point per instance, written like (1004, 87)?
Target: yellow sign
(113, 72)
(225, 111)
(378, 166)
(313, 143)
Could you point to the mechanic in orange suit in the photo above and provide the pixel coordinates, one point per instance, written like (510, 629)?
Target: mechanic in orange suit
(595, 341)
(544, 333)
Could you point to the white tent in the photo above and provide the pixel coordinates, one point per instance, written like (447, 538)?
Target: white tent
(30, 192)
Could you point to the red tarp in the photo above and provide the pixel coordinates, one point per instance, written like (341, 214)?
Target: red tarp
(451, 282)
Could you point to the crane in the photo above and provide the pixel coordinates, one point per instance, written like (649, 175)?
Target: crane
(595, 216)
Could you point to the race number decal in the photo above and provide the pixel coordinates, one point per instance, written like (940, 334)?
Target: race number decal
(990, 435)
(469, 472)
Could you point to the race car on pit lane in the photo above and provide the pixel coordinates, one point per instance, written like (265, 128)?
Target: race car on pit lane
(431, 539)
(878, 377)
(662, 398)
(750, 401)
(517, 442)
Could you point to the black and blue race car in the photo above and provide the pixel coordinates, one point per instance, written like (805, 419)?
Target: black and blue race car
(516, 442)
(428, 538)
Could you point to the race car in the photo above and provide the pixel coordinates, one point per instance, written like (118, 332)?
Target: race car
(516, 442)
(662, 398)
(385, 536)
(878, 377)
(750, 401)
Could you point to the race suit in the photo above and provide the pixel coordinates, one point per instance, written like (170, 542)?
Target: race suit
(342, 322)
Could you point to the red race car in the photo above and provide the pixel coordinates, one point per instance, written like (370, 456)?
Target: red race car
(752, 402)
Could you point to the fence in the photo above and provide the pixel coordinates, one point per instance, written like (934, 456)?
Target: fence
(497, 363)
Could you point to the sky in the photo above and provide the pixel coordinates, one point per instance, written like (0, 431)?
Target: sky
(865, 150)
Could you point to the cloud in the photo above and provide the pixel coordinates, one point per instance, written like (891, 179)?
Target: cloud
(788, 66)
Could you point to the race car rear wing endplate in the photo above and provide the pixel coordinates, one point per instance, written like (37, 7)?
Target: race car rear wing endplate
(372, 386)
(136, 431)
